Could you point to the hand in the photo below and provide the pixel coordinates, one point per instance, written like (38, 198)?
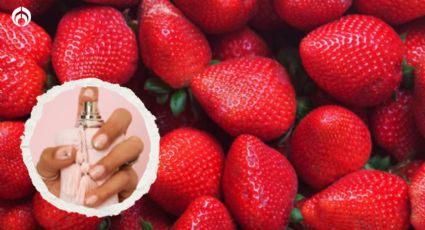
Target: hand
(123, 180)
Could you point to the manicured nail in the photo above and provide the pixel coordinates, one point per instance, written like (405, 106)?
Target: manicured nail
(91, 200)
(97, 171)
(63, 153)
(88, 93)
(100, 141)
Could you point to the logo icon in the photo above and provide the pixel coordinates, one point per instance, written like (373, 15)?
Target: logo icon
(21, 16)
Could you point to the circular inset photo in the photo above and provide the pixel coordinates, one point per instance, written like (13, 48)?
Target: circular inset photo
(91, 147)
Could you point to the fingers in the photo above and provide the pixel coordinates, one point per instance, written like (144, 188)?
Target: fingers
(122, 182)
(54, 159)
(115, 126)
(126, 151)
(87, 94)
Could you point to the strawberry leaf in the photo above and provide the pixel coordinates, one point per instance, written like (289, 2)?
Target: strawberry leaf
(379, 163)
(105, 224)
(146, 225)
(403, 36)
(162, 98)
(296, 216)
(408, 76)
(303, 108)
(214, 62)
(299, 197)
(155, 85)
(178, 102)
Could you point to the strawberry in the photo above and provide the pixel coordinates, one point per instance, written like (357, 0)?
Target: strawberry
(415, 41)
(94, 42)
(259, 184)
(417, 199)
(22, 57)
(366, 199)
(143, 210)
(266, 17)
(50, 217)
(394, 12)
(18, 217)
(419, 101)
(309, 14)
(191, 164)
(29, 42)
(394, 127)
(356, 59)
(207, 213)
(36, 7)
(329, 143)
(218, 16)
(170, 44)
(15, 181)
(241, 43)
(119, 3)
(247, 95)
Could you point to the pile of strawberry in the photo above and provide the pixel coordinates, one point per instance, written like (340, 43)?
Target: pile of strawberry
(274, 114)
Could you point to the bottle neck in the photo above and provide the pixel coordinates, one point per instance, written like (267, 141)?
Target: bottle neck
(91, 123)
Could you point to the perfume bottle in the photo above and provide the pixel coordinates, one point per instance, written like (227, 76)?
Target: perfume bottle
(75, 180)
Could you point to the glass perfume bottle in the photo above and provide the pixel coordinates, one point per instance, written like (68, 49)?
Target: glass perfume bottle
(75, 180)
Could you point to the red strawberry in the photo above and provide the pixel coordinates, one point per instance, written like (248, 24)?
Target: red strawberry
(259, 184)
(29, 42)
(417, 199)
(18, 217)
(309, 14)
(394, 127)
(23, 53)
(218, 16)
(144, 209)
(415, 41)
(207, 213)
(329, 143)
(357, 59)
(266, 17)
(419, 101)
(94, 42)
(241, 43)
(120, 3)
(365, 199)
(170, 44)
(36, 7)
(52, 218)
(394, 11)
(15, 181)
(247, 95)
(191, 164)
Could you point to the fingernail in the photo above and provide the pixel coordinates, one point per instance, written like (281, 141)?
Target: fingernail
(97, 171)
(91, 200)
(88, 93)
(63, 153)
(100, 141)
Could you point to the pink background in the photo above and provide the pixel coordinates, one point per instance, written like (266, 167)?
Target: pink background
(61, 113)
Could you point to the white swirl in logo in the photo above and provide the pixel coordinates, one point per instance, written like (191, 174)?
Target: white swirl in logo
(21, 16)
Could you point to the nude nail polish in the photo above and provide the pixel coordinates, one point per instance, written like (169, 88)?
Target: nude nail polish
(76, 179)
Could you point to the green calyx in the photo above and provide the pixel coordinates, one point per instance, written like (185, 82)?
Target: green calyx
(146, 225)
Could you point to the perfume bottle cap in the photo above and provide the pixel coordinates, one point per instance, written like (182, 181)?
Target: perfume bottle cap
(90, 115)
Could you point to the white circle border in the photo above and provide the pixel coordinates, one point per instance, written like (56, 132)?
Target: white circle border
(148, 177)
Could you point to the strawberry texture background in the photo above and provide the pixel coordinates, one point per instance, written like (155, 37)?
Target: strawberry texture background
(273, 114)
